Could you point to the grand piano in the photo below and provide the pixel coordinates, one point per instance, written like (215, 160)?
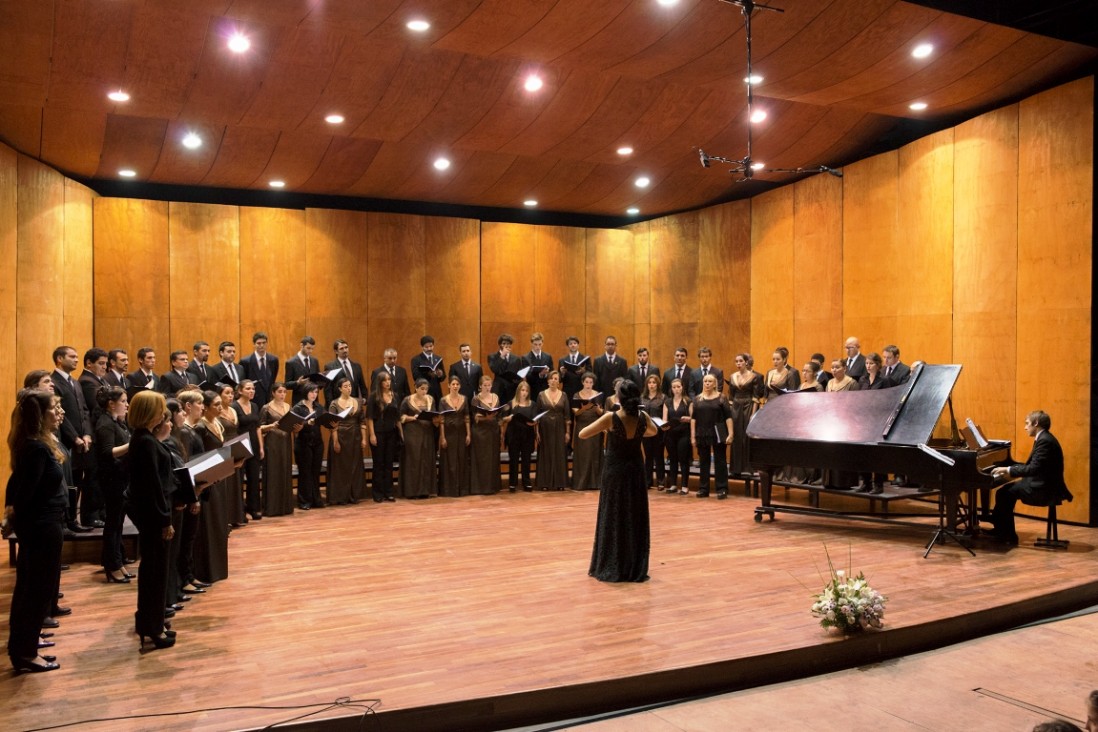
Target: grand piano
(881, 431)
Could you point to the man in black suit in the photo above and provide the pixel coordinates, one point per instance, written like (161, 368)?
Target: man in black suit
(468, 372)
(538, 379)
(609, 367)
(505, 367)
(681, 370)
(572, 367)
(1041, 478)
(301, 365)
(198, 366)
(145, 377)
(76, 430)
(261, 367)
(118, 362)
(352, 370)
(642, 369)
(705, 358)
(824, 375)
(92, 378)
(895, 370)
(397, 375)
(855, 361)
(428, 366)
(227, 370)
(179, 377)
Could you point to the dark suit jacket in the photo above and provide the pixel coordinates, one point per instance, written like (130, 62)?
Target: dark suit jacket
(192, 368)
(505, 375)
(470, 381)
(172, 382)
(537, 383)
(269, 377)
(857, 371)
(606, 373)
(358, 381)
(1042, 475)
(89, 387)
(901, 372)
(635, 374)
(401, 388)
(113, 380)
(433, 381)
(219, 371)
(696, 380)
(77, 417)
(823, 377)
(882, 382)
(687, 380)
(572, 378)
(295, 369)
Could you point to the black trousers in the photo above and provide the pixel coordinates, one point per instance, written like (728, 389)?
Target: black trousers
(250, 473)
(115, 505)
(653, 458)
(152, 581)
(520, 450)
(174, 584)
(86, 475)
(679, 453)
(707, 455)
(309, 456)
(384, 454)
(1006, 498)
(37, 574)
(188, 531)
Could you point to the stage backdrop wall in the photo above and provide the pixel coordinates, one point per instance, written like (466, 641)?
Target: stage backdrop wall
(972, 245)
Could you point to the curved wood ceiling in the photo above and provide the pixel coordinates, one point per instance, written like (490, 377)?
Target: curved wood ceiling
(838, 76)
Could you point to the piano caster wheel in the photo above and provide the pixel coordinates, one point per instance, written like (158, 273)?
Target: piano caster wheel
(758, 518)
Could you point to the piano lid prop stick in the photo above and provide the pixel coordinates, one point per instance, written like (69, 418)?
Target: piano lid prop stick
(903, 400)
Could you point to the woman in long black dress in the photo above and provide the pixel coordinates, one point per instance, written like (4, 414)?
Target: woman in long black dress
(247, 420)
(34, 507)
(211, 543)
(710, 431)
(747, 392)
(112, 442)
(484, 478)
(190, 445)
(652, 402)
(418, 475)
(586, 454)
(553, 432)
(676, 413)
(346, 478)
(454, 438)
(521, 438)
(622, 541)
(308, 450)
(151, 486)
(277, 448)
(383, 421)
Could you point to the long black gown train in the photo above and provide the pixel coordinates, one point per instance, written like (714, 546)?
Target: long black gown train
(622, 540)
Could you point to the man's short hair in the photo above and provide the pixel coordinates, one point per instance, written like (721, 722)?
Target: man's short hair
(425, 340)
(339, 342)
(642, 349)
(112, 355)
(308, 341)
(682, 350)
(93, 354)
(175, 355)
(222, 346)
(1040, 418)
(144, 351)
(60, 351)
(819, 358)
(198, 345)
(505, 338)
(571, 339)
(463, 345)
(706, 350)
(893, 350)
(537, 337)
(259, 336)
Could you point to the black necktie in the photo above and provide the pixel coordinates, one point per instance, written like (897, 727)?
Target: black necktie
(680, 373)
(644, 372)
(262, 365)
(308, 368)
(466, 368)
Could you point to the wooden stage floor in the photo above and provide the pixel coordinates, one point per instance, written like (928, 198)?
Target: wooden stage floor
(477, 613)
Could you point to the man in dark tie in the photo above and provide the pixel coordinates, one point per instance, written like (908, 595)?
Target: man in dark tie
(200, 354)
(226, 370)
(92, 378)
(824, 375)
(178, 377)
(397, 375)
(705, 358)
(301, 365)
(352, 371)
(75, 430)
(261, 367)
(428, 366)
(118, 362)
(679, 371)
(468, 373)
(505, 367)
(1039, 481)
(642, 369)
(895, 370)
(572, 367)
(610, 366)
(855, 361)
(538, 378)
(145, 377)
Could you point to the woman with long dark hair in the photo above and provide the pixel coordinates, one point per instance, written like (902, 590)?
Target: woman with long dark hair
(277, 448)
(386, 434)
(418, 476)
(309, 450)
(676, 413)
(112, 443)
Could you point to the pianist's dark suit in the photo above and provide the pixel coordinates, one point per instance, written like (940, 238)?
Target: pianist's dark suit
(1042, 482)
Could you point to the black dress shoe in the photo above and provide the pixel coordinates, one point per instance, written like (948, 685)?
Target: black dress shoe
(23, 666)
(64, 567)
(60, 595)
(47, 659)
(77, 528)
(45, 635)
(390, 499)
(97, 524)
(45, 644)
(51, 623)
(183, 598)
(703, 493)
(721, 495)
(127, 560)
(304, 506)
(175, 606)
(60, 612)
(200, 585)
(193, 589)
(169, 613)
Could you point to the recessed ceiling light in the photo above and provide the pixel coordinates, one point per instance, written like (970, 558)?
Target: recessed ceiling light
(441, 164)
(625, 150)
(334, 119)
(191, 141)
(758, 166)
(758, 116)
(642, 182)
(118, 96)
(277, 184)
(533, 83)
(239, 43)
(753, 79)
(922, 50)
(632, 211)
(668, 3)
(418, 25)
(127, 173)
(530, 202)
(917, 106)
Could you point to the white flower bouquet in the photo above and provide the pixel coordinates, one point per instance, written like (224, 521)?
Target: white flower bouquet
(847, 603)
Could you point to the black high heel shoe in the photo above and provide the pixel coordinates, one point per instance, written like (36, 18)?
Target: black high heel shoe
(22, 665)
(123, 580)
(158, 641)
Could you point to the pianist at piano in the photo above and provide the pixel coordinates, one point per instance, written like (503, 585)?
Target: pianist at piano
(1039, 480)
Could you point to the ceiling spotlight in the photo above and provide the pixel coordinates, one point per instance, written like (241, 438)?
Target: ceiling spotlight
(239, 43)
(758, 166)
(441, 164)
(668, 3)
(127, 173)
(277, 184)
(118, 96)
(191, 141)
(753, 79)
(758, 116)
(917, 106)
(530, 203)
(922, 50)
(533, 83)
(418, 25)
(642, 182)
(633, 211)
(626, 150)
(334, 119)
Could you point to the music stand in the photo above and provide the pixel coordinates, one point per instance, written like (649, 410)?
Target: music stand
(943, 533)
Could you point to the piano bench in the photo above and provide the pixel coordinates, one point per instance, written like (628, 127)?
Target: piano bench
(1052, 538)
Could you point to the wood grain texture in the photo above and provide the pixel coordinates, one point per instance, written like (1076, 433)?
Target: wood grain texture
(79, 316)
(610, 300)
(674, 253)
(272, 298)
(398, 285)
(507, 294)
(336, 280)
(11, 380)
(452, 308)
(724, 280)
(817, 271)
(772, 297)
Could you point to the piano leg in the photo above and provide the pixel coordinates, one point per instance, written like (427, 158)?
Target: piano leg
(765, 485)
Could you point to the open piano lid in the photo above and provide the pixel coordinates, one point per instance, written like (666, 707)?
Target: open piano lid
(903, 415)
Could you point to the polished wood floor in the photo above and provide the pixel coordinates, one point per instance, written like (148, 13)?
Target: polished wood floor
(477, 613)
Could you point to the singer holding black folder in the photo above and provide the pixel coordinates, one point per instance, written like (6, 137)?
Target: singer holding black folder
(383, 421)
(554, 431)
(278, 454)
(346, 479)
(521, 438)
(308, 449)
(710, 431)
(484, 475)
(454, 438)
(428, 366)
(586, 454)
(418, 477)
(211, 544)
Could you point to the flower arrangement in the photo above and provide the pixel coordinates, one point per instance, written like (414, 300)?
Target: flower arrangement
(847, 603)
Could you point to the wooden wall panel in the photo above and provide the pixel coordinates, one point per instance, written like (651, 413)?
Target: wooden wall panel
(610, 300)
(985, 272)
(78, 327)
(507, 294)
(452, 250)
(130, 277)
(560, 288)
(398, 285)
(817, 269)
(673, 253)
(11, 379)
(1055, 217)
(203, 267)
(336, 282)
(40, 266)
(724, 280)
(272, 295)
(772, 294)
